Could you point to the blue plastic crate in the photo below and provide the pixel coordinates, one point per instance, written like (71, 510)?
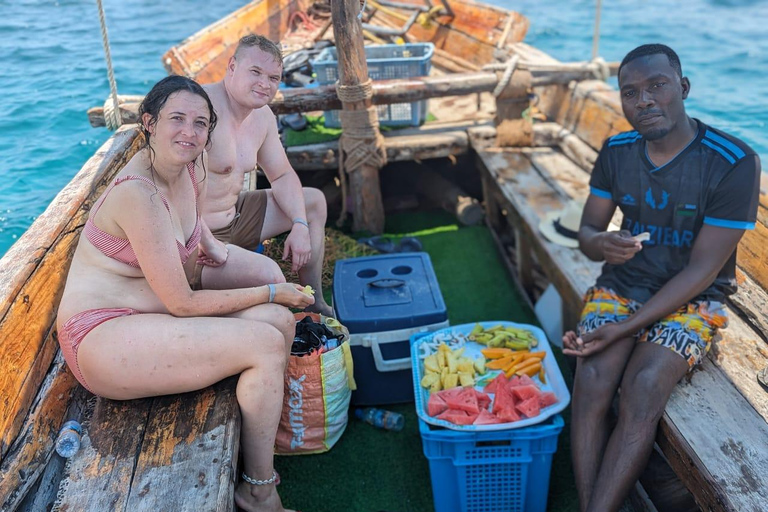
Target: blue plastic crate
(385, 62)
(498, 471)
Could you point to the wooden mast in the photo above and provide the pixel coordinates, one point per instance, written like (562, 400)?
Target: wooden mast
(353, 76)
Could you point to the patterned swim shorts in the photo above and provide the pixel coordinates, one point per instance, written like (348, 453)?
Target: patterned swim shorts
(688, 331)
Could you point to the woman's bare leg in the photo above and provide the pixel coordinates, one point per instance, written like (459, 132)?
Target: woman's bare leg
(150, 354)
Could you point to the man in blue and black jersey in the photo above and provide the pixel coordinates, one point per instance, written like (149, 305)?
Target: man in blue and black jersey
(688, 192)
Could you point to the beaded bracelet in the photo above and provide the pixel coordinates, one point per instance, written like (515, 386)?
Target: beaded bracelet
(271, 292)
(299, 220)
(253, 481)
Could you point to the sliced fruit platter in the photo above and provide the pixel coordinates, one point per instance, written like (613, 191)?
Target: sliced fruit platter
(486, 376)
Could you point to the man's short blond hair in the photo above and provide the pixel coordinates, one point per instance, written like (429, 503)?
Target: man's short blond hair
(263, 44)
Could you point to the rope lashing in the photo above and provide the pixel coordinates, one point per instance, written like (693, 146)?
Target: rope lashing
(352, 93)
(361, 142)
(112, 117)
(509, 69)
(600, 68)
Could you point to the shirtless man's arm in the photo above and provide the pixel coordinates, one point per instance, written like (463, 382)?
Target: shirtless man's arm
(288, 194)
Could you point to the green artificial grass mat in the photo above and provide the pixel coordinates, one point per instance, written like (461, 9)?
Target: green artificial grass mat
(316, 132)
(371, 470)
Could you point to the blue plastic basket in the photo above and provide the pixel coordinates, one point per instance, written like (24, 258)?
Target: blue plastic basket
(385, 62)
(498, 471)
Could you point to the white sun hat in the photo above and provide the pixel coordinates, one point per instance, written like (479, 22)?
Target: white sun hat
(562, 226)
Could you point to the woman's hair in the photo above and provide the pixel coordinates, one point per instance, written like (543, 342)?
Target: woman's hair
(155, 100)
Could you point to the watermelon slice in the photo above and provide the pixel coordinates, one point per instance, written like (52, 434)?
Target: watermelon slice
(529, 407)
(448, 393)
(526, 381)
(436, 405)
(491, 387)
(458, 417)
(483, 400)
(464, 401)
(486, 418)
(546, 399)
(503, 400)
(523, 393)
(508, 414)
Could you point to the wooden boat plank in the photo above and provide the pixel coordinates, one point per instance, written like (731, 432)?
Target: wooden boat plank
(688, 435)
(33, 289)
(431, 140)
(752, 301)
(99, 477)
(752, 256)
(29, 454)
(471, 35)
(740, 354)
(727, 438)
(189, 452)
(204, 55)
(593, 112)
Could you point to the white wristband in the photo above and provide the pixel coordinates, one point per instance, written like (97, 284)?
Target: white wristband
(271, 292)
(301, 221)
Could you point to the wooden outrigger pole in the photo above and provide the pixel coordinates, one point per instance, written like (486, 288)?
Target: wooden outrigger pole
(361, 148)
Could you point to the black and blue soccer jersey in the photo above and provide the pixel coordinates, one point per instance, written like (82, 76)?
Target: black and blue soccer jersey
(715, 180)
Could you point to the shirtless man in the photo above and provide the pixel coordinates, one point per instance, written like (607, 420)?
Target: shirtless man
(246, 134)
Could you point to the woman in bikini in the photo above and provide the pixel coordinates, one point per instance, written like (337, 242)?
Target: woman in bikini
(130, 324)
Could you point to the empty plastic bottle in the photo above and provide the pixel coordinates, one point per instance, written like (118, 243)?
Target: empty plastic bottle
(380, 418)
(68, 441)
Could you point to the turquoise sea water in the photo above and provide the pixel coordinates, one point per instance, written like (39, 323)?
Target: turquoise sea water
(53, 70)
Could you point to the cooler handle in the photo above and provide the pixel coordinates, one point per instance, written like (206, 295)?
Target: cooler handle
(387, 283)
(387, 365)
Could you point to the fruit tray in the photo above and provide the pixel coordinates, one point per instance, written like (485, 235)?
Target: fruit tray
(423, 345)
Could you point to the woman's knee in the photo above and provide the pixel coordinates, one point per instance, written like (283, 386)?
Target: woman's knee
(267, 347)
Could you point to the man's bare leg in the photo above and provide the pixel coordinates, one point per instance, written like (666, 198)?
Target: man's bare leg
(596, 381)
(312, 272)
(276, 222)
(652, 373)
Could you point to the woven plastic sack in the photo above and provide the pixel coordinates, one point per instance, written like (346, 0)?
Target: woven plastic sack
(318, 388)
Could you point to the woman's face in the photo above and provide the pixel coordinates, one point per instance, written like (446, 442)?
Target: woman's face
(181, 130)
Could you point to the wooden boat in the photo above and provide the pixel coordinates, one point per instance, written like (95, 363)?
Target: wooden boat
(713, 432)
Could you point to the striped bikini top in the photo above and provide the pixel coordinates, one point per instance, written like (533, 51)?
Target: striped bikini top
(119, 248)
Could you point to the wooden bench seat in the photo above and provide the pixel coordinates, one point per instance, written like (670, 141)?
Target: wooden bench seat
(175, 452)
(714, 428)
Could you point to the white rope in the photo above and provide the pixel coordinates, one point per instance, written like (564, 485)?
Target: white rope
(508, 67)
(596, 33)
(600, 68)
(112, 116)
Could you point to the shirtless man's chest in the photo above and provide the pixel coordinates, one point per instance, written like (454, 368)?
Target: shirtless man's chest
(233, 152)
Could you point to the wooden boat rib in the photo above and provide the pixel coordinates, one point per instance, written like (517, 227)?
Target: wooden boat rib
(38, 390)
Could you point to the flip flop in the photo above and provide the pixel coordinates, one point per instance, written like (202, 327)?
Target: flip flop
(296, 122)
(409, 244)
(762, 378)
(380, 243)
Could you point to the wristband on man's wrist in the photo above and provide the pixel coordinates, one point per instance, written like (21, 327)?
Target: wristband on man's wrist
(271, 292)
(299, 220)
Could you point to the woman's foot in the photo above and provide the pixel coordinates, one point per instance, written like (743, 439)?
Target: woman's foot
(258, 498)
